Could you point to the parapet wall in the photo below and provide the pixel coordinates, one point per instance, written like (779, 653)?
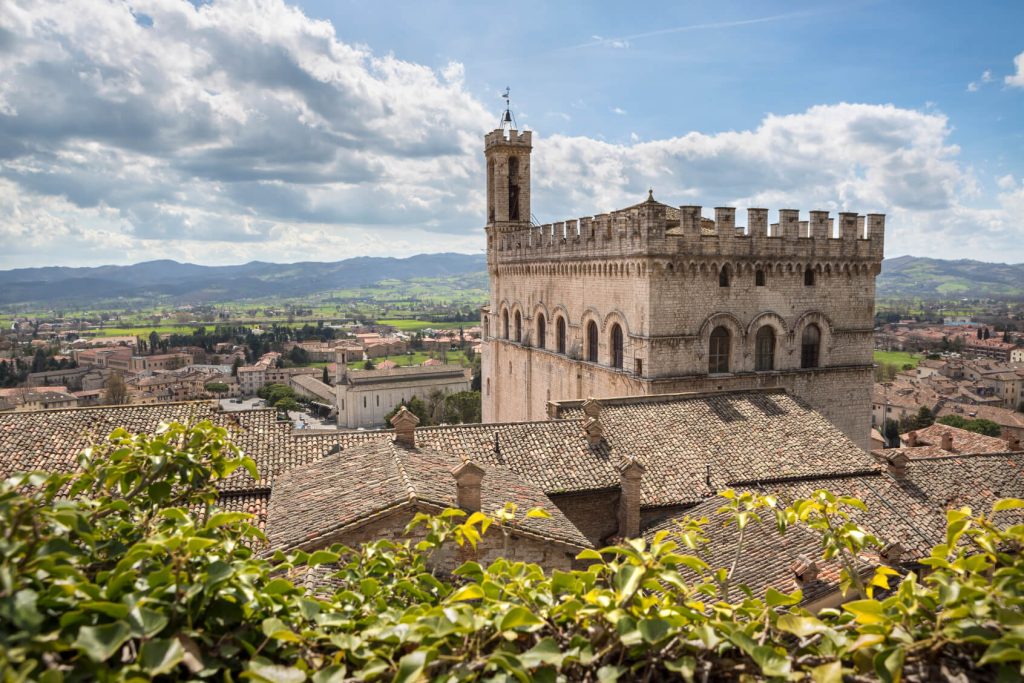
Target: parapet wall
(512, 137)
(650, 230)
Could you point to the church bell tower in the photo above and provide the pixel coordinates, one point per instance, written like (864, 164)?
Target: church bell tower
(507, 152)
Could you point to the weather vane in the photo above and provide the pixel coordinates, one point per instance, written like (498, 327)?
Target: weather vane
(506, 117)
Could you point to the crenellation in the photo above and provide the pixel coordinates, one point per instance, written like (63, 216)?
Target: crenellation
(725, 219)
(789, 223)
(757, 220)
(819, 225)
(847, 225)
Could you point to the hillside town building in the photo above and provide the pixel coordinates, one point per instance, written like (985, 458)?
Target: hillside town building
(655, 299)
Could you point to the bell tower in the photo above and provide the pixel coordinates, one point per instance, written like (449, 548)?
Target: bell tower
(507, 152)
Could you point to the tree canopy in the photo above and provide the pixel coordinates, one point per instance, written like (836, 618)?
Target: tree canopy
(126, 570)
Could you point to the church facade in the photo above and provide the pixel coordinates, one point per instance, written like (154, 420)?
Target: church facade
(656, 299)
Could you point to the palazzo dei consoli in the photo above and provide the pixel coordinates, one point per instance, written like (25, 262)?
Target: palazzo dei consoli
(656, 299)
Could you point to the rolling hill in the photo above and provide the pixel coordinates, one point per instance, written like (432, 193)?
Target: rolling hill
(189, 282)
(912, 276)
(906, 276)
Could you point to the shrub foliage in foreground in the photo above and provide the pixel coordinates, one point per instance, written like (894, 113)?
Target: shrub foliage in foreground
(125, 570)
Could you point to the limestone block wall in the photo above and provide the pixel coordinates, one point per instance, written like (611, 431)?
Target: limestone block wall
(365, 404)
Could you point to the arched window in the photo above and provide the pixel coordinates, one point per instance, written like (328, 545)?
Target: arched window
(764, 356)
(616, 339)
(810, 345)
(808, 278)
(519, 327)
(718, 351)
(723, 277)
(542, 331)
(592, 341)
(759, 278)
(560, 334)
(504, 324)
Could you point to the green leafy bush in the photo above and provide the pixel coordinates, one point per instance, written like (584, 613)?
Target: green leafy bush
(126, 570)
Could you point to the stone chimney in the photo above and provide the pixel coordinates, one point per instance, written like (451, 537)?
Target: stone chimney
(630, 474)
(804, 570)
(912, 439)
(405, 423)
(591, 424)
(467, 485)
(947, 441)
(897, 464)
(892, 552)
(1012, 443)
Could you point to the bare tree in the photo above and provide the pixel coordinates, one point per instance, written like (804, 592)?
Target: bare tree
(117, 390)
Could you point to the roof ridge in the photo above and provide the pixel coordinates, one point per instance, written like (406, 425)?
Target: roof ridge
(130, 405)
(401, 470)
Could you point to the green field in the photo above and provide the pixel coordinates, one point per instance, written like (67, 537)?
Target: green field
(899, 358)
(416, 325)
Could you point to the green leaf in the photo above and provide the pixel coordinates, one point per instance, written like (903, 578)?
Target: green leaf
(322, 557)
(589, 554)
(800, 626)
(274, 673)
(544, 652)
(866, 611)
(653, 630)
(470, 591)
(519, 618)
(1008, 504)
(26, 615)
(100, 642)
(889, 664)
(538, 513)
(609, 673)
(771, 661)
(114, 610)
(1001, 652)
(774, 598)
(828, 673)
(160, 656)
(411, 666)
(331, 674)
(146, 622)
(684, 666)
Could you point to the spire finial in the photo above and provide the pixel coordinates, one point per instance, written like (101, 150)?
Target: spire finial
(650, 194)
(507, 119)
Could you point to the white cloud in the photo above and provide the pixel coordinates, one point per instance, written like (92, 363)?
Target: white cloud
(986, 76)
(1016, 80)
(844, 157)
(972, 87)
(234, 122)
(619, 110)
(243, 130)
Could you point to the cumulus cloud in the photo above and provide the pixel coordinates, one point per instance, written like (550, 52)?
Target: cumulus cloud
(236, 130)
(844, 157)
(231, 122)
(1016, 80)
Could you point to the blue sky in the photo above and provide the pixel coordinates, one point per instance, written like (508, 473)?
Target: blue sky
(236, 130)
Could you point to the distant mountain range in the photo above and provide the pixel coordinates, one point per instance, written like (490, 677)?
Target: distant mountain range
(928, 278)
(192, 283)
(906, 276)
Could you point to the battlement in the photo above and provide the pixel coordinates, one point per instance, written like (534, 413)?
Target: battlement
(508, 137)
(655, 229)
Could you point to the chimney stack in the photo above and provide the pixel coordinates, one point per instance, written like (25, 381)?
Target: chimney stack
(947, 442)
(630, 474)
(405, 423)
(467, 485)
(804, 569)
(591, 424)
(912, 439)
(897, 463)
(892, 552)
(1013, 443)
